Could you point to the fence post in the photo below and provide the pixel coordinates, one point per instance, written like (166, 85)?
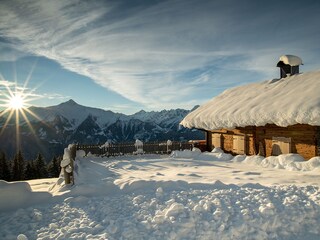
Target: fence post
(169, 144)
(67, 163)
(73, 154)
(139, 146)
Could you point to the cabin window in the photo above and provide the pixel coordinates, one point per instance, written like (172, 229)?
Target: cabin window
(216, 140)
(239, 144)
(281, 145)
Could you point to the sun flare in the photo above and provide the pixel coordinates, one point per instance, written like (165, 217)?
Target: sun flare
(14, 107)
(16, 102)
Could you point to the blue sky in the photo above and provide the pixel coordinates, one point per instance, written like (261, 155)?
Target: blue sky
(130, 55)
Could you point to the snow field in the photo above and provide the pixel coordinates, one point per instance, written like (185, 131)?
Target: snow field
(189, 195)
(223, 212)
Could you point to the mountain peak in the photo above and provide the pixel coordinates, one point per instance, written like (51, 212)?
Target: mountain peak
(141, 112)
(71, 102)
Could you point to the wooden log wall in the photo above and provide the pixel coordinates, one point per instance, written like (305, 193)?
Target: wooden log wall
(318, 140)
(305, 139)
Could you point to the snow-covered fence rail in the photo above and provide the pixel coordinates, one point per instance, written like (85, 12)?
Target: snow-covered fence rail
(116, 149)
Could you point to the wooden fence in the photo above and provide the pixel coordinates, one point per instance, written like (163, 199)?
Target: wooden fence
(117, 149)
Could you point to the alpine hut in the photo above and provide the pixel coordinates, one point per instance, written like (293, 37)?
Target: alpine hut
(268, 118)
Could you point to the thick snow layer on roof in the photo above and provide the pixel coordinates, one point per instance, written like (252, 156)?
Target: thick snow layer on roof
(284, 102)
(291, 60)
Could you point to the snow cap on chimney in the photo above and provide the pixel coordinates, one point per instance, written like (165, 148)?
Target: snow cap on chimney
(289, 65)
(291, 60)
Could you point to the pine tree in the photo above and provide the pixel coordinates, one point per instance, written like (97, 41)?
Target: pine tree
(10, 168)
(40, 167)
(4, 168)
(30, 172)
(54, 168)
(18, 167)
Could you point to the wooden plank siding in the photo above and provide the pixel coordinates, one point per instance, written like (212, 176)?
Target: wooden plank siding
(318, 141)
(216, 139)
(302, 138)
(305, 139)
(239, 144)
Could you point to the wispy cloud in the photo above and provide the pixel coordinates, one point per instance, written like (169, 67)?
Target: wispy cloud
(8, 53)
(54, 96)
(158, 53)
(4, 84)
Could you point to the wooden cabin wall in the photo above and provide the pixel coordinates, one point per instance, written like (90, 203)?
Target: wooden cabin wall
(227, 139)
(318, 141)
(208, 136)
(227, 142)
(305, 139)
(252, 147)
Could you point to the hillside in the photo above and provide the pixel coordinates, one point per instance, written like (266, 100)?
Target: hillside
(52, 128)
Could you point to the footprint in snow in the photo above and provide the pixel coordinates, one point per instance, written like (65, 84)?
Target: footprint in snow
(252, 173)
(194, 175)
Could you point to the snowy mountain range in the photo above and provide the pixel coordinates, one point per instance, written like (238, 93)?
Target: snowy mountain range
(50, 129)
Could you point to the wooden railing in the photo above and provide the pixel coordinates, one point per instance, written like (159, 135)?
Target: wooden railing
(116, 149)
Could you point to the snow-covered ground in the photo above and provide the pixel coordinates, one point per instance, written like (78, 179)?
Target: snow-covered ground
(188, 195)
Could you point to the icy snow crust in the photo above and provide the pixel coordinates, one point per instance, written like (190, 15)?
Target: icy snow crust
(189, 195)
(283, 102)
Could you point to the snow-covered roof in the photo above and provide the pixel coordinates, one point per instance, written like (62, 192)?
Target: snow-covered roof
(284, 102)
(290, 60)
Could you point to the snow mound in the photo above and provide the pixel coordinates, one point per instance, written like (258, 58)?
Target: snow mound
(253, 160)
(239, 158)
(291, 162)
(310, 165)
(19, 195)
(185, 154)
(22, 237)
(196, 154)
(217, 150)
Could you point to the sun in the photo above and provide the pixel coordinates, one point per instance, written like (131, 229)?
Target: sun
(16, 102)
(15, 110)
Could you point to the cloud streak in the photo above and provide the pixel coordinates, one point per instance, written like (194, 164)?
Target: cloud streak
(159, 54)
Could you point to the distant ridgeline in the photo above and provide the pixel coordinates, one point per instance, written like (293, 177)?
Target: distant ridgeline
(70, 122)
